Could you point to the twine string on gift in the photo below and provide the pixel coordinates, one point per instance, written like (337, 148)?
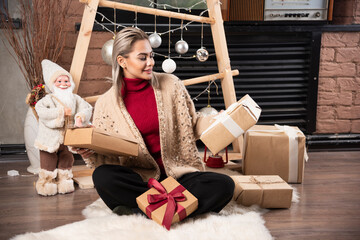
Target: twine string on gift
(157, 200)
(253, 180)
(268, 181)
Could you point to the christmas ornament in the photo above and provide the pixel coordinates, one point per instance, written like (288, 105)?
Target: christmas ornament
(169, 65)
(181, 47)
(155, 40)
(202, 54)
(106, 51)
(208, 111)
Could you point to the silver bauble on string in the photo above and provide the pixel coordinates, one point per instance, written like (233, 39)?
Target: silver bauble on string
(169, 65)
(181, 47)
(208, 111)
(106, 51)
(202, 54)
(155, 40)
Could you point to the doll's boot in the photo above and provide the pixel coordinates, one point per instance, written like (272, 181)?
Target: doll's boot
(65, 182)
(46, 185)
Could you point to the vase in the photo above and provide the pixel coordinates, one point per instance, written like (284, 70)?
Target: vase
(31, 128)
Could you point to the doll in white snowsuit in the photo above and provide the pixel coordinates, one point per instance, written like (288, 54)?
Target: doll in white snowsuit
(56, 161)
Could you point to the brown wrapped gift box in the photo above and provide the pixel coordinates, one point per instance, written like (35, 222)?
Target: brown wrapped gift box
(267, 152)
(269, 191)
(101, 142)
(230, 124)
(190, 204)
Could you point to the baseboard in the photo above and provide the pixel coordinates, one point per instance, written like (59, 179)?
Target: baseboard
(333, 142)
(12, 149)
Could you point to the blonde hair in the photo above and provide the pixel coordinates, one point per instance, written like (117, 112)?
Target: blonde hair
(123, 45)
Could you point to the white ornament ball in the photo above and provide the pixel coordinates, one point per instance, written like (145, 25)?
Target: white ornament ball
(155, 40)
(208, 111)
(106, 51)
(169, 65)
(202, 54)
(181, 47)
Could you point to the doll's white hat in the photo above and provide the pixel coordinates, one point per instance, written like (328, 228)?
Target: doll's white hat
(51, 71)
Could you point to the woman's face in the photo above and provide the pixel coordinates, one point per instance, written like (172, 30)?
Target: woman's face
(140, 61)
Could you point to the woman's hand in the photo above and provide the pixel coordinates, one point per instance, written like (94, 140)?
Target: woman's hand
(84, 152)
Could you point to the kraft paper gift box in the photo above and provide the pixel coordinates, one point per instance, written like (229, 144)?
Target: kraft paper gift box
(101, 142)
(275, 150)
(231, 124)
(269, 191)
(156, 203)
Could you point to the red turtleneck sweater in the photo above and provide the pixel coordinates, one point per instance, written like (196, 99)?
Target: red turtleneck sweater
(139, 99)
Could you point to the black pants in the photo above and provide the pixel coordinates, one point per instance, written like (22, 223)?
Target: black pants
(118, 185)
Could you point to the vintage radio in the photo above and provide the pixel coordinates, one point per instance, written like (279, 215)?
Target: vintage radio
(278, 10)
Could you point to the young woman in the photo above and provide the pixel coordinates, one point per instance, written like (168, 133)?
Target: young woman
(156, 109)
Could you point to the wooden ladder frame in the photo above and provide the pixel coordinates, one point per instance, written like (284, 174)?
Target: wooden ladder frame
(218, 34)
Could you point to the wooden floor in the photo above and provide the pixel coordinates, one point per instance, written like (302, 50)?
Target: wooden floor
(329, 207)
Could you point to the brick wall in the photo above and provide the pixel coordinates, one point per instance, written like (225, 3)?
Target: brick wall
(339, 84)
(338, 108)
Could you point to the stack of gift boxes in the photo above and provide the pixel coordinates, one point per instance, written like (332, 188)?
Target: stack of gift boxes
(273, 156)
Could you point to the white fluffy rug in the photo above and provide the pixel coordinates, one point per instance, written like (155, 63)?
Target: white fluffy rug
(233, 222)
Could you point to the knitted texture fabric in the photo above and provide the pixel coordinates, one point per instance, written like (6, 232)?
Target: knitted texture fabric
(139, 99)
(178, 127)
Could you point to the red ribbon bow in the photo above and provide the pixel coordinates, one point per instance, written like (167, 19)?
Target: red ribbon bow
(157, 200)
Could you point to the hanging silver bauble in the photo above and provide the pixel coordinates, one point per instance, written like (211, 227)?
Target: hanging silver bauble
(169, 65)
(208, 111)
(155, 40)
(106, 51)
(202, 54)
(181, 47)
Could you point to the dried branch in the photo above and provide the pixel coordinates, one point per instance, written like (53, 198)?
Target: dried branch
(42, 36)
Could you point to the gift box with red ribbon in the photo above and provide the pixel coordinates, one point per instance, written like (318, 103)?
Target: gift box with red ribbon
(167, 202)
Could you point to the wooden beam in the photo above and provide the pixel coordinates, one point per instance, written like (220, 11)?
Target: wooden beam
(208, 78)
(187, 82)
(223, 60)
(92, 99)
(152, 11)
(82, 43)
